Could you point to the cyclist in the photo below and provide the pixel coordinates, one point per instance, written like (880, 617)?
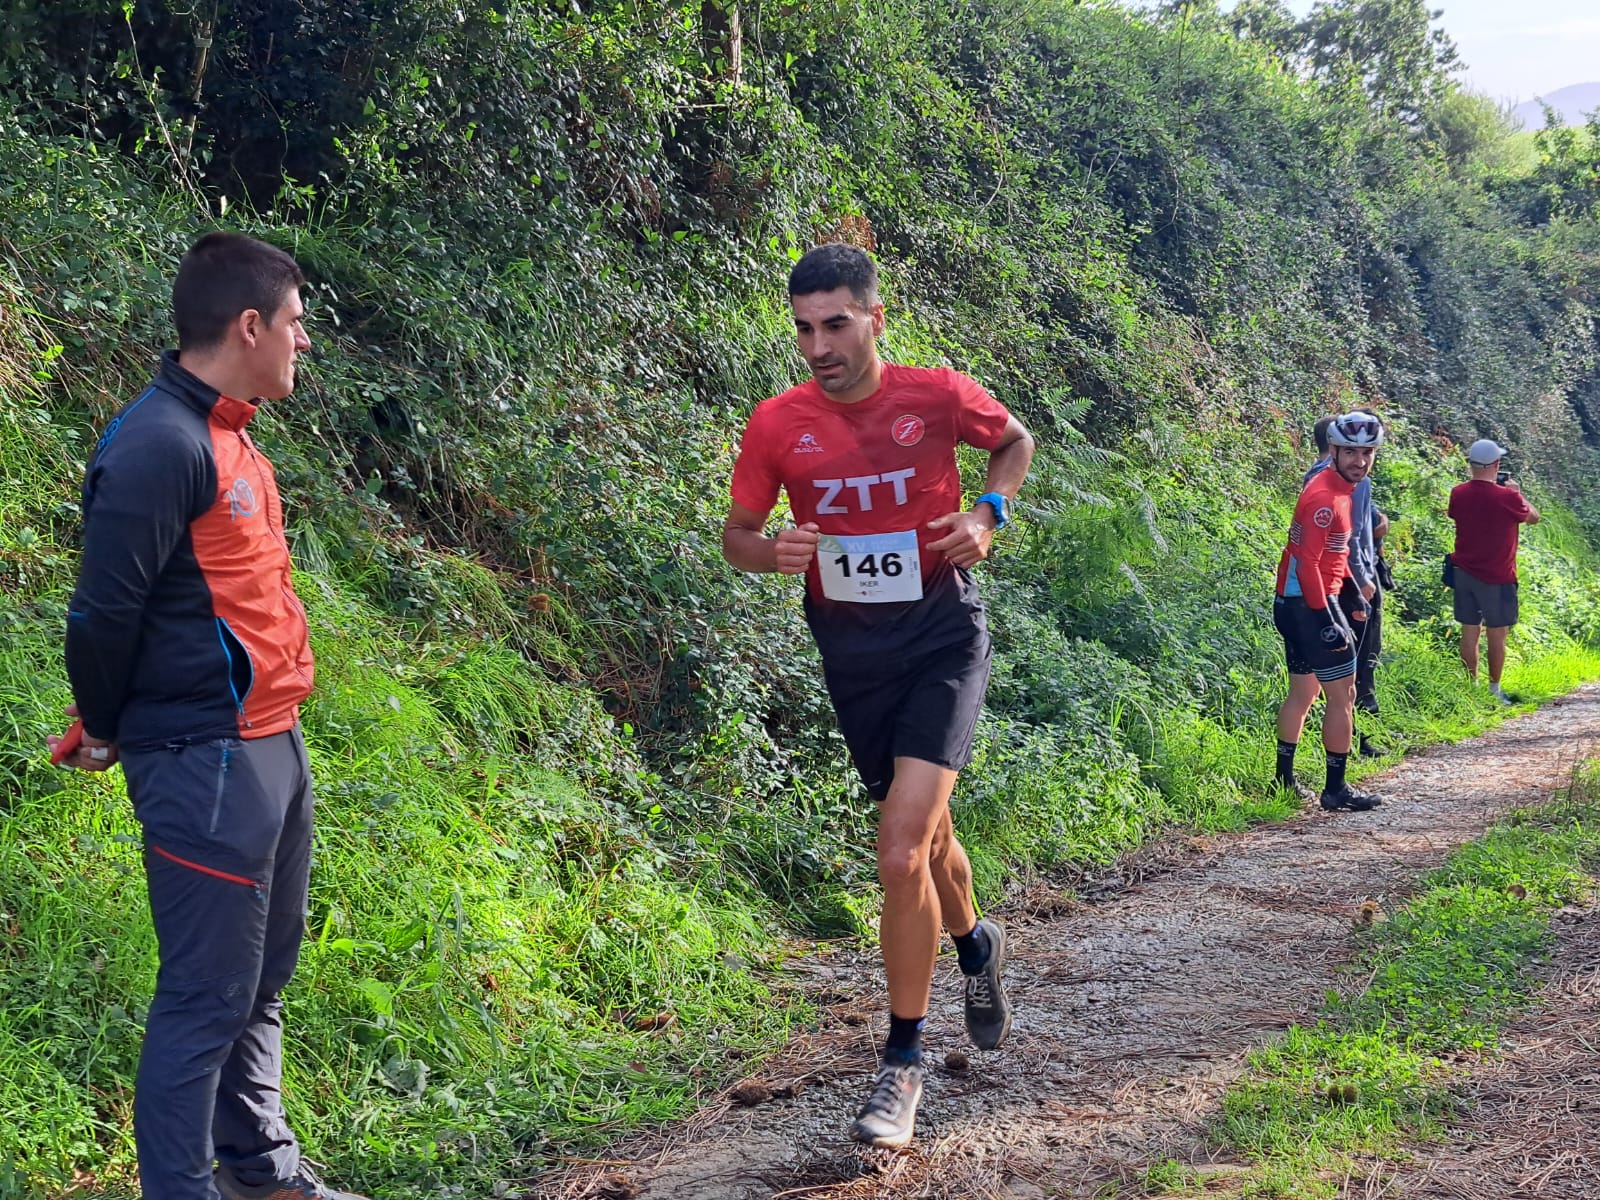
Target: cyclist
(1319, 642)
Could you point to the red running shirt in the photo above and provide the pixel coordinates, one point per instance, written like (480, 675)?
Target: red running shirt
(1487, 516)
(1317, 558)
(885, 464)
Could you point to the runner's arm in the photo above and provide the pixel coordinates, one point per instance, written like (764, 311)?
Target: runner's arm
(746, 546)
(971, 532)
(1009, 460)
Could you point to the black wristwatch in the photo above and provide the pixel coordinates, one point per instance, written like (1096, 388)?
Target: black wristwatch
(1001, 506)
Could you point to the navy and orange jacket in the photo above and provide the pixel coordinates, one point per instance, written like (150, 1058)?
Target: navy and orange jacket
(1316, 561)
(184, 625)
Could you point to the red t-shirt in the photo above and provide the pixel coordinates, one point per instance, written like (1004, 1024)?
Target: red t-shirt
(885, 464)
(1317, 558)
(1487, 515)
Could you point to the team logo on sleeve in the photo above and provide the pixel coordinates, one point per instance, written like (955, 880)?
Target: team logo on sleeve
(908, 429)
(1323, 517)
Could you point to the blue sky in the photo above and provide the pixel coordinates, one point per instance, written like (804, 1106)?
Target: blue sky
(1517, 49)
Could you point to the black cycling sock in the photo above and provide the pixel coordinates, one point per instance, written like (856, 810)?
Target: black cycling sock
(972, 950)
(905, 1039)
(1286, 762)
(1335, 771)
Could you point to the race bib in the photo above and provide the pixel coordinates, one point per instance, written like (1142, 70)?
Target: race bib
(879, 568)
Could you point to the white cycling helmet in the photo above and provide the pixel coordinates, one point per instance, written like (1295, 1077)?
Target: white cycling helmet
(1356, 429)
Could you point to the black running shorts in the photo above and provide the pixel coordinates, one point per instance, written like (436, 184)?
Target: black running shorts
(915, 706)
(1306, 650)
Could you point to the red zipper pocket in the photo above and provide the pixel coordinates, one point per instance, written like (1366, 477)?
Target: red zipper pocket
(204, 870)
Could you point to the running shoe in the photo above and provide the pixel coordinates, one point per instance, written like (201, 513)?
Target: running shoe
(1348, 799)
(889, 1117)
(1499, 695)
(304, 1185)
(988, 1012)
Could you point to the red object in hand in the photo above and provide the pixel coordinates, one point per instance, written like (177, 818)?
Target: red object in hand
(70, 741)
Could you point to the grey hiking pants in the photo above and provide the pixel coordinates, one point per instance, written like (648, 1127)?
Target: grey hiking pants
(227, 851)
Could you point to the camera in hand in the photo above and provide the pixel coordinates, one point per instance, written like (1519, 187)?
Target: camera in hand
(1501, 477)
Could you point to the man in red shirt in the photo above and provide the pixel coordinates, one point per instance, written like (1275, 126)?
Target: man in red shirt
(1319, 643)
(866, 451)
(1488, 513)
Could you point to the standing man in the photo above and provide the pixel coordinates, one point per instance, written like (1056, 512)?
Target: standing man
(1371, 648)
(1488, 511)
(1360, 596)
(866, 452)
(188, 655)
(1319, 642)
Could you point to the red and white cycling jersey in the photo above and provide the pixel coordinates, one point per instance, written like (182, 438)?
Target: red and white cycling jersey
(884, 465)
(1316, 561)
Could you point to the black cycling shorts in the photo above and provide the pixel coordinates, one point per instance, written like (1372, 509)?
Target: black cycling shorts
(1306, 650)
(917, 706)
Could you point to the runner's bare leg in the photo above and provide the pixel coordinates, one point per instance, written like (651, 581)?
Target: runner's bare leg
(952, 878)
(917, 805)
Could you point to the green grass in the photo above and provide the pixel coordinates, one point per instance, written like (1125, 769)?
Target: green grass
(1445, 972)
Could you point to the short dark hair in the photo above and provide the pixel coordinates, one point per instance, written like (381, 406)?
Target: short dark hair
(836, 265)
(223, 275)
(1319, 432)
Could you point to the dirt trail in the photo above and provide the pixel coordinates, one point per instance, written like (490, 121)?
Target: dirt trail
(1134, 1012)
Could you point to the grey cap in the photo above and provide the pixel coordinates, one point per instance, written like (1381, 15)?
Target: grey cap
(1485, 452)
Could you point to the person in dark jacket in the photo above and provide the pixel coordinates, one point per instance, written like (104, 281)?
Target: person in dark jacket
(188, 655)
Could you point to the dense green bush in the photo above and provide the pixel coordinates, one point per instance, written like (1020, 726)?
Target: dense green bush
(575, 772)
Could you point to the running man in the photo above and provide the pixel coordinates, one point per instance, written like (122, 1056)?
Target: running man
(866, 452)
(1319, 643)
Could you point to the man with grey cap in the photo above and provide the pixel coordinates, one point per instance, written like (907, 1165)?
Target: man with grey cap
(1488, 511)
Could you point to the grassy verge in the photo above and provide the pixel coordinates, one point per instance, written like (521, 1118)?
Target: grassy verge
(1446, 972)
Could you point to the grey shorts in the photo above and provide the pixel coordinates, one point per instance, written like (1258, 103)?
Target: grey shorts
(1480, 603)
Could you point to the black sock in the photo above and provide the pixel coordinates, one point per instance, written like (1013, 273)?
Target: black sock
(905, 1039)
(1335, 771)
(972, 950)
(1286, 762)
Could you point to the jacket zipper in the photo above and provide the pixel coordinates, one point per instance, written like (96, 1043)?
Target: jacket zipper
(278, 536)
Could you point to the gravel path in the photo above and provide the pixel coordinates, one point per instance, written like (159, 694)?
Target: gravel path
(1134, 1010)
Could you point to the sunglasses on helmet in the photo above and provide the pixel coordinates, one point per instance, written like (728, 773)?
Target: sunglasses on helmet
(1362, 428)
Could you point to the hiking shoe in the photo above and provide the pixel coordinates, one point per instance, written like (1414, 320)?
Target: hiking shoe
(1366, 748)
(303, 1186)
(889, 1117)
(988, 1012)
(1347, 799)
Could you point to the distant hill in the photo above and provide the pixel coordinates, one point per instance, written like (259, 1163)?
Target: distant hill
(1573, 103)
